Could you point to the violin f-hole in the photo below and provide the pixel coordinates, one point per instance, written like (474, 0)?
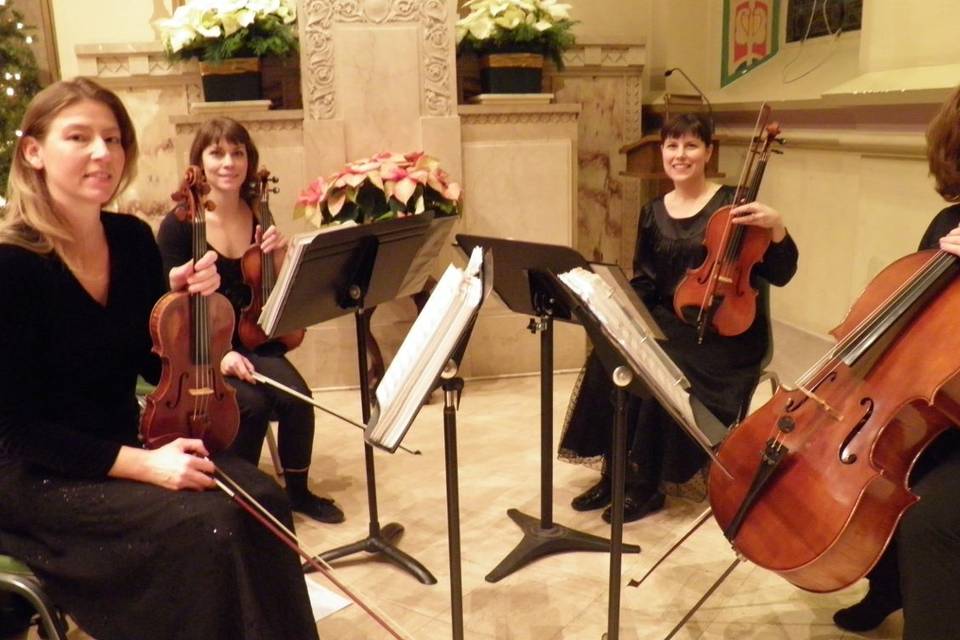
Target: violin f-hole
(847, 457)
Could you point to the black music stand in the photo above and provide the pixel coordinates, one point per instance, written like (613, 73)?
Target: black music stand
(627, 381)
(452, 386)
(355, 269)
(525, 286)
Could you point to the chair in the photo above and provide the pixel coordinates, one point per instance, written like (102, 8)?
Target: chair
(16, 578)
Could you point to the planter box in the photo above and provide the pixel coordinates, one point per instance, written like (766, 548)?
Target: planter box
(511, 73)
(230, 80)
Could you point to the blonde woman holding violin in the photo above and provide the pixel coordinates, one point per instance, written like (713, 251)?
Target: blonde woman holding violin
(225, 151)
(127, 541)
(722, 370)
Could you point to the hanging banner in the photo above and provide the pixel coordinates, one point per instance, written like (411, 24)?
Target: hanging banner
(751, 35)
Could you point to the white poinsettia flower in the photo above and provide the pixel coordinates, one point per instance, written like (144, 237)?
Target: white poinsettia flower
(496, 8)
(287, 11)
(180, 37)
(542, 25)
(511, 18)
(230, 23)
(525, 5)
(461, 33)
(264, 7)
(482, 29)
(557, 11)
(246, 17)
(229, 6)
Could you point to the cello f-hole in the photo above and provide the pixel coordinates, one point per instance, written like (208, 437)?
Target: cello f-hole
(847, 457)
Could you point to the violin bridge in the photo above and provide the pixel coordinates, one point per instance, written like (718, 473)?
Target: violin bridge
(725, 279)
(200, 391)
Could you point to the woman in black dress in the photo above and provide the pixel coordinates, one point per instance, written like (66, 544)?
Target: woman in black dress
(920, 570)
(722, 370)
(225, 151)
(128, 541)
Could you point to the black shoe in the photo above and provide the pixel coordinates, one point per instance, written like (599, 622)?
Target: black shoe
(320, 509)
(869, 613)
(596, 497)
(634, 509)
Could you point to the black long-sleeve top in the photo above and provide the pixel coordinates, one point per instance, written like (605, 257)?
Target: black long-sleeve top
(69, 365)
(722, 368)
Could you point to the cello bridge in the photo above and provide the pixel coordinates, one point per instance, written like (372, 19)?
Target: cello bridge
(200, 391)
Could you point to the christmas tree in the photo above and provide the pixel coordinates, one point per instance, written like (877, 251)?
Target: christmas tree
(19, 81)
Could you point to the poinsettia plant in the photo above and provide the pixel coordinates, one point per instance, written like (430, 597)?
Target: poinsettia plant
(512, 26)
(387, 185)
(216, 30)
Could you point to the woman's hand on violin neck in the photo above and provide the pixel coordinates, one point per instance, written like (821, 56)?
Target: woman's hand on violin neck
(237, 365)
(201, 277)
(758, 214)
(179, 465)
(271, 239)
(951, 242)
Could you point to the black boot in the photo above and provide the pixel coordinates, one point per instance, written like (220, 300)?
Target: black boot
(870, 612)
(307, 503)
(637, 504)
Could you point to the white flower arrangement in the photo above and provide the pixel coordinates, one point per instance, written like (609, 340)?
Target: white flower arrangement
(502, 26)
(217, 30)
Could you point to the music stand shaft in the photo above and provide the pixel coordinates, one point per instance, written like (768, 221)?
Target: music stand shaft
(546, 423)
(379, 540)
(451, 389)
(618, 481)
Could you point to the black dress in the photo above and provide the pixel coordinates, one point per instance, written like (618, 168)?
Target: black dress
(127, 560)
(258, 402)
(722, 370)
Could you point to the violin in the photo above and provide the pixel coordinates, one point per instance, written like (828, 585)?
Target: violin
(191, 333)
(818, 476)
(260, 275)
(718, 294)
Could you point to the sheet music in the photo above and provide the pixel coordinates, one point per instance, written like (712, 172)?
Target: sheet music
(626, 328)
(270, 312)
(424, 351)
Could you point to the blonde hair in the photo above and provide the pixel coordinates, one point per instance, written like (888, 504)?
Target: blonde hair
(30, 220)
(943, 148)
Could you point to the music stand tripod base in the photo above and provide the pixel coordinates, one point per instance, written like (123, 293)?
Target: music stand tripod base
(382, 542)
(538, 542)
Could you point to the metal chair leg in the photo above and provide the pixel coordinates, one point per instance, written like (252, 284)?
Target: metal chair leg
(51, 620)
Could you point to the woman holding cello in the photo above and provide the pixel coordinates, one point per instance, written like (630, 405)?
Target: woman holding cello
(126, 540)
(723, 370)
(225, 151)
(920, 569)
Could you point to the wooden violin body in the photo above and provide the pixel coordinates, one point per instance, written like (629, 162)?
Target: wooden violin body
(820, 506)
(718, 294)
(191, 334)
(732, 304)
(259, 274)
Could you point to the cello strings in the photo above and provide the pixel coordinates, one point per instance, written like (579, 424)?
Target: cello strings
(922, 277)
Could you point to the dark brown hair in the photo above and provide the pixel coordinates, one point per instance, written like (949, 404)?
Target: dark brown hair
(698, 125)
(943, 148)
(216, 129)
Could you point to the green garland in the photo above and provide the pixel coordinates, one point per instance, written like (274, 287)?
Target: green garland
(19, 82)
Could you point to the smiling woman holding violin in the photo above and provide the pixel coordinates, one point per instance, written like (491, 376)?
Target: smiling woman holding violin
(920, 569)
(722, 369)
(228, 156)
(126, 540)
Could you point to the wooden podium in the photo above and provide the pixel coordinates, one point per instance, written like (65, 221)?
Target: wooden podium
(643, 156)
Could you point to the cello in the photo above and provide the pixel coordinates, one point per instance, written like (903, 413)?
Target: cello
(819, 475)
(192, 399)
(718, 294)
(260, 275)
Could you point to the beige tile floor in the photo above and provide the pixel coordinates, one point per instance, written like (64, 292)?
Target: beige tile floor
(559, 597)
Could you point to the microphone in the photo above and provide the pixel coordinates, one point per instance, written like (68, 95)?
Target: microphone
(669, 72)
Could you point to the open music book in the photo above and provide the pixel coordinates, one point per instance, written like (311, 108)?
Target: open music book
(430, 342)
(270, 313)
(633, 333)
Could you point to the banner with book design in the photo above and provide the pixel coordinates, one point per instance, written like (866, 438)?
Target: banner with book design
(751, 36)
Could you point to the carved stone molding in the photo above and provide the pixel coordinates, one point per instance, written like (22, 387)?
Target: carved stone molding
(255, 121)
(604, 59)
(517, 118)
(318, 18)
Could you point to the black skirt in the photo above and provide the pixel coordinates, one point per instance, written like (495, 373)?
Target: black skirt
(129, 560)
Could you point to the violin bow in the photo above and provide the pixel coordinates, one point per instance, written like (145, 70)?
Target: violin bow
(296, 394)
(260, 513)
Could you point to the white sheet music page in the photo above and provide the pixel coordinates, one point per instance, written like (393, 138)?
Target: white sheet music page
(270, 312)
(624, 327)
(424, 351)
